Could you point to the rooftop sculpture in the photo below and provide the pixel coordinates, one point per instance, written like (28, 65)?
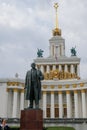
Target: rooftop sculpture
(40, 53)
(73, 51)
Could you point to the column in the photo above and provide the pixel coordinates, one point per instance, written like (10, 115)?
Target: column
(66, 69)
(80, 104)
(14, 114)
(51, 50)
(42, 68)
(55, 51)
(54, 67)
(52, 104)
(68, 99)
(72, 69)
(76, 106)
(22, 100)
(48, 69)
(60, 104)
(78, 70)
(62, 50)
(6, 104)
(83, 103)
(60, 47)
(44, 104)
(60, 68)
(58, 50)
(9, 103)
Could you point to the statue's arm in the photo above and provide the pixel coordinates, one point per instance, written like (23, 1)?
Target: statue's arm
(26, 80)
(41, 76)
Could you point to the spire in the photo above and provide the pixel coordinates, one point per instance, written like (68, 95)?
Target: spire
(56, 7)
(56, 31)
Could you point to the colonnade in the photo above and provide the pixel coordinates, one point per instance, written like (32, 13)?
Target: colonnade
(16, 99)
(76, 106)
(72, 68)
(57, 50)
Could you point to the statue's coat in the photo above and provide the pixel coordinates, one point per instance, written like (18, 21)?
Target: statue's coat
(28, 84)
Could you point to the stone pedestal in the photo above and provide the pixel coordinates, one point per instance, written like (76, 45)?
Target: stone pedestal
(31, 119)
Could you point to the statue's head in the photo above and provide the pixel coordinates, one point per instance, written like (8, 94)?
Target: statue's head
(33, 65)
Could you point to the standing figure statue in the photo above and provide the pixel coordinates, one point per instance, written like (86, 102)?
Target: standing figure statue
(33, 86)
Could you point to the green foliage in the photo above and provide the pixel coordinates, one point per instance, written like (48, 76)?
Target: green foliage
(14, 128)
(60, 128)
(44, 128)
(47, 128)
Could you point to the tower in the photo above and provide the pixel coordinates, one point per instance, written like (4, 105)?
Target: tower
(57, 58)
(61, 74)
(57, 43)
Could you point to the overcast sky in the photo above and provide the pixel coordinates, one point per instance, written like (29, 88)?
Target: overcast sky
(26, 25)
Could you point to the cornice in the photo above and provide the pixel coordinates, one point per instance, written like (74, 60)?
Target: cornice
(64, 85)
(5, 80)
(61, 60)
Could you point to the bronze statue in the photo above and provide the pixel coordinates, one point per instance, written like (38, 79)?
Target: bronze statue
(40, 53)
(73, 51)
(33, 85)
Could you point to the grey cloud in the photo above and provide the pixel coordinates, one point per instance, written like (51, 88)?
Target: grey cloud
(18, 45)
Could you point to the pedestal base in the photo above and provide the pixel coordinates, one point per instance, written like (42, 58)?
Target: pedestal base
(31, 119)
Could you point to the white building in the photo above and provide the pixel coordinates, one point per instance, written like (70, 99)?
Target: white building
(11, 97)
(64, 93)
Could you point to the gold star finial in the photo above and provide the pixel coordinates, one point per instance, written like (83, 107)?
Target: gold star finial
(56, 6)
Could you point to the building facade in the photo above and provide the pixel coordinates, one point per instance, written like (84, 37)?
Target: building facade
(11, 97)
(64, 93)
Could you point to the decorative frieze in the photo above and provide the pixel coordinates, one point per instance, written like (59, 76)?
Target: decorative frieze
(44, 86)
(67, 86)
(13, 83)
(81, 84)
(52, 86)
(74, 85)
(59, 86)
(59, 75)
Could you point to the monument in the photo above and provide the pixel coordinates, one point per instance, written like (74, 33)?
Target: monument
(32, 118)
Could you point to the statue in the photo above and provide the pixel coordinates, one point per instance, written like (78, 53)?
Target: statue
(46, 76)
(73, 51)
(33, 86)
(51, 75)
(40, 53)
(65, 75)
(56, 73)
